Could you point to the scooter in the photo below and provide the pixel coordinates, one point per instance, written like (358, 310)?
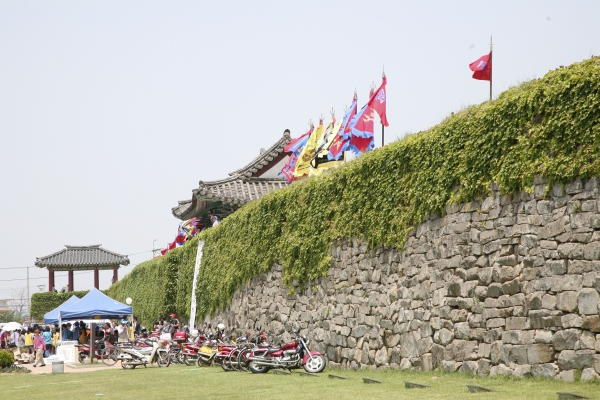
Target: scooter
(131, 357)
(294, 354)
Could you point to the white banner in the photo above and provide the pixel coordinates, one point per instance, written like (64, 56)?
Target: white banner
(196, 270)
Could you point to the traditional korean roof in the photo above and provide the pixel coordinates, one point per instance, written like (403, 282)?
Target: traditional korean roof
(242, 186)
(82, 257)
(264, 159)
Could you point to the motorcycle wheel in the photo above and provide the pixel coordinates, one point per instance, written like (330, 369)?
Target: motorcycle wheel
(174, 356)
(126, 365)
(242, 360)
(204, 362)
(109, 356)
(181, 358)
(258, 369)
(188, 360)
(232, 362)
(83, 357)
(316, 364)
(225, 366)
(163, 359)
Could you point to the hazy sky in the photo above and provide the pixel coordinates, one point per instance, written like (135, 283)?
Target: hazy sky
(111, 112)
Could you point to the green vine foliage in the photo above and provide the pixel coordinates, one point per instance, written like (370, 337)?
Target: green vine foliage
(160, 286)
(548, 127)
(41, 303)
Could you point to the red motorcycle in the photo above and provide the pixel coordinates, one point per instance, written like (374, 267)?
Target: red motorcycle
(294, 354)
(84, 350)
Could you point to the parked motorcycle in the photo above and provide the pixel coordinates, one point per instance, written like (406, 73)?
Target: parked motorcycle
(133, 356)
(84, 350)
(294, 354)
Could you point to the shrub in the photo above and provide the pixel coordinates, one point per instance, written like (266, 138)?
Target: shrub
(7, 359)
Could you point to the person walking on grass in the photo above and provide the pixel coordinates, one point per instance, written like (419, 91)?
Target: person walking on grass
(40, 346)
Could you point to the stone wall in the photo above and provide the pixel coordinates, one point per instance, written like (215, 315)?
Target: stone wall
(504, 285)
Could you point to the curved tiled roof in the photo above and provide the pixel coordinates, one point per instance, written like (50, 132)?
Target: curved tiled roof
(238, 191)
(82, 256)
(265, 157)
(241, 187)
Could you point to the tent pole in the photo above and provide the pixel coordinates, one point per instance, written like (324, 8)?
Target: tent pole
(92, 342)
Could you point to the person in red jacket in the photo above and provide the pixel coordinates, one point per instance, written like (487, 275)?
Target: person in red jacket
(40, 346)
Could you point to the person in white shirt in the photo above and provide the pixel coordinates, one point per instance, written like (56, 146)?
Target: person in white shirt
(215, 220)
(14, 338)
(123, 332)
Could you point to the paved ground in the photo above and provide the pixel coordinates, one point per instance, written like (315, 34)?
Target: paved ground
(70, 368)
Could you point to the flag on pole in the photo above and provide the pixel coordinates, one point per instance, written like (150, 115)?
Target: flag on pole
(308, 151)
(482, 68)
(342, 139)
(294, 147)
(378, 102)
(363, 131)
(296, 144)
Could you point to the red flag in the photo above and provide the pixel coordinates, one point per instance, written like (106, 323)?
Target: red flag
(482, 68)
(379, 102)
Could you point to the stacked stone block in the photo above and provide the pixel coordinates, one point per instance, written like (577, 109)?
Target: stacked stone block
(506, 285)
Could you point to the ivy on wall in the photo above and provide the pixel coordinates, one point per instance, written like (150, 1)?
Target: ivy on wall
(160, 286)
(549, 127)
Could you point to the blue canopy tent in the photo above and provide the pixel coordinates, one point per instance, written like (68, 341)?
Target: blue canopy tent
(51, 317)
(95, 305)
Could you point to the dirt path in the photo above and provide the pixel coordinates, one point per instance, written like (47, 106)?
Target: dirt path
(69, 368)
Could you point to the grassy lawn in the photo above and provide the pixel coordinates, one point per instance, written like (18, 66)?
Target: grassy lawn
(180, 382)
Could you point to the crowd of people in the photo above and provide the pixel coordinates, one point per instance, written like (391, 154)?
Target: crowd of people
(42, 340)
(38, 340)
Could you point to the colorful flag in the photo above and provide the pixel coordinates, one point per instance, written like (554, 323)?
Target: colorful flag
(294, 147)
(379, 102)
(362, 127)
(288, 169)
(482, 68)
(308, 151)
(342, 139)
(328, 136)
(296, 144)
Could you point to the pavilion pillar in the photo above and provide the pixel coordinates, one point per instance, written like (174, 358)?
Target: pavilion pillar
(115, 274)
(96, 279)
(50, 280)
(70, 286)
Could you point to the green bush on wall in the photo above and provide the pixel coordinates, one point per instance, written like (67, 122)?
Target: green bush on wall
(160, 286)
(548, 127)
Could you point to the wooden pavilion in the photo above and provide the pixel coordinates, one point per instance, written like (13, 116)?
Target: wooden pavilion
(81, 258)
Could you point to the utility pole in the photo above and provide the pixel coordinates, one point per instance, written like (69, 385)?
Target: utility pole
(28, 299)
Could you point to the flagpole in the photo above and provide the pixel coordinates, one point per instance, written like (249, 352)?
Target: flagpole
(383, 126)
(491, 69)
